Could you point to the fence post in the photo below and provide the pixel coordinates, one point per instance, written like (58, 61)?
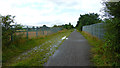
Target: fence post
(11, 35)
(51, 30)
(27, 32)
(43, 30)
(47, 31)
(36, 32)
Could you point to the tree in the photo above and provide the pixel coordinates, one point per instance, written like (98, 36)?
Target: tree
(8, 29)
(112, 35)
(87, 19)
(112, 9)
(33, 27)
(44, 26)
(68, 26)
(55, 26)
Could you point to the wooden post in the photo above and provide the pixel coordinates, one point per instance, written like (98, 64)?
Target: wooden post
(27, 32)
(43, 30)
(36, 32)
(11, 35)
(47, 31)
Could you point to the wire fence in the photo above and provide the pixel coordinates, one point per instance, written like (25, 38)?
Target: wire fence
(97, 30)
(35, 32)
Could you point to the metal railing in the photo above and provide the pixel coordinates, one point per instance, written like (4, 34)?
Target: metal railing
(97, 30)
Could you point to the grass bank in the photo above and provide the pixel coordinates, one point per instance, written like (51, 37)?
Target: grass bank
(98, 57)
(102, 52)
(32, 52)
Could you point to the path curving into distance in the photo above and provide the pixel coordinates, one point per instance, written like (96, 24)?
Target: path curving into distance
(74, 51)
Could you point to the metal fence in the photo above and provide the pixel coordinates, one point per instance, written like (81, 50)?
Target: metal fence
(97, 30)
(36, 32)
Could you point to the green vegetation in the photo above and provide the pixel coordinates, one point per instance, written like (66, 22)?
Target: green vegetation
(105, 52)
(38, 50)
(101, 53)
(25, 51)
(66, 26)
(98, 57)
(112, 37)
(112, 42)
(87, 19)
(111, 9)
(7, 28)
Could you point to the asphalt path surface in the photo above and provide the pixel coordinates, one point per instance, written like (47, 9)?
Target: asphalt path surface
(75, 51)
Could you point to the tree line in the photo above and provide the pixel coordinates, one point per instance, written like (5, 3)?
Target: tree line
(65, 26)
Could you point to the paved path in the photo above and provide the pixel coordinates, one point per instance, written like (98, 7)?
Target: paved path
(75, 51)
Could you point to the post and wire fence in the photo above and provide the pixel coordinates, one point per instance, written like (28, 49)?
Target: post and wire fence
(97, 30)
(35, 32)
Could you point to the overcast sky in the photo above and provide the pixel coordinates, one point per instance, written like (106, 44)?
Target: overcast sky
(48, 12)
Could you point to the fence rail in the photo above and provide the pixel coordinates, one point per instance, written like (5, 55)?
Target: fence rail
(97, 30)
(31, 33)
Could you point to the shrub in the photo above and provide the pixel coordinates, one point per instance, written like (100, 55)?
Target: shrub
(112, 42)
(8, 29)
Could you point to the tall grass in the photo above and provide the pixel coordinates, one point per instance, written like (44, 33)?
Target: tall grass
(19, 46)
(98, 58)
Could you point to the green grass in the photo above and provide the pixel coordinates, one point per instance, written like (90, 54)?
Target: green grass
(35, 57)
(97, 57)
(101, 55)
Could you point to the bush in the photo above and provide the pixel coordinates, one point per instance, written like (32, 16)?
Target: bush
(112, 42)
(8, 29)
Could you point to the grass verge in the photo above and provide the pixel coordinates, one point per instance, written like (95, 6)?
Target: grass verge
(101, 53)
(98, 57)
(33, 52)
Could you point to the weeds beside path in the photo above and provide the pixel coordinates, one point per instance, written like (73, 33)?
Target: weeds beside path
(34, 52)
(98, 57)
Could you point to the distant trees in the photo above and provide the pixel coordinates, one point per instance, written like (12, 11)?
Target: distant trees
(87, 19)
(55, 26)
(66, 26)
(44, 26)
(33, 27)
